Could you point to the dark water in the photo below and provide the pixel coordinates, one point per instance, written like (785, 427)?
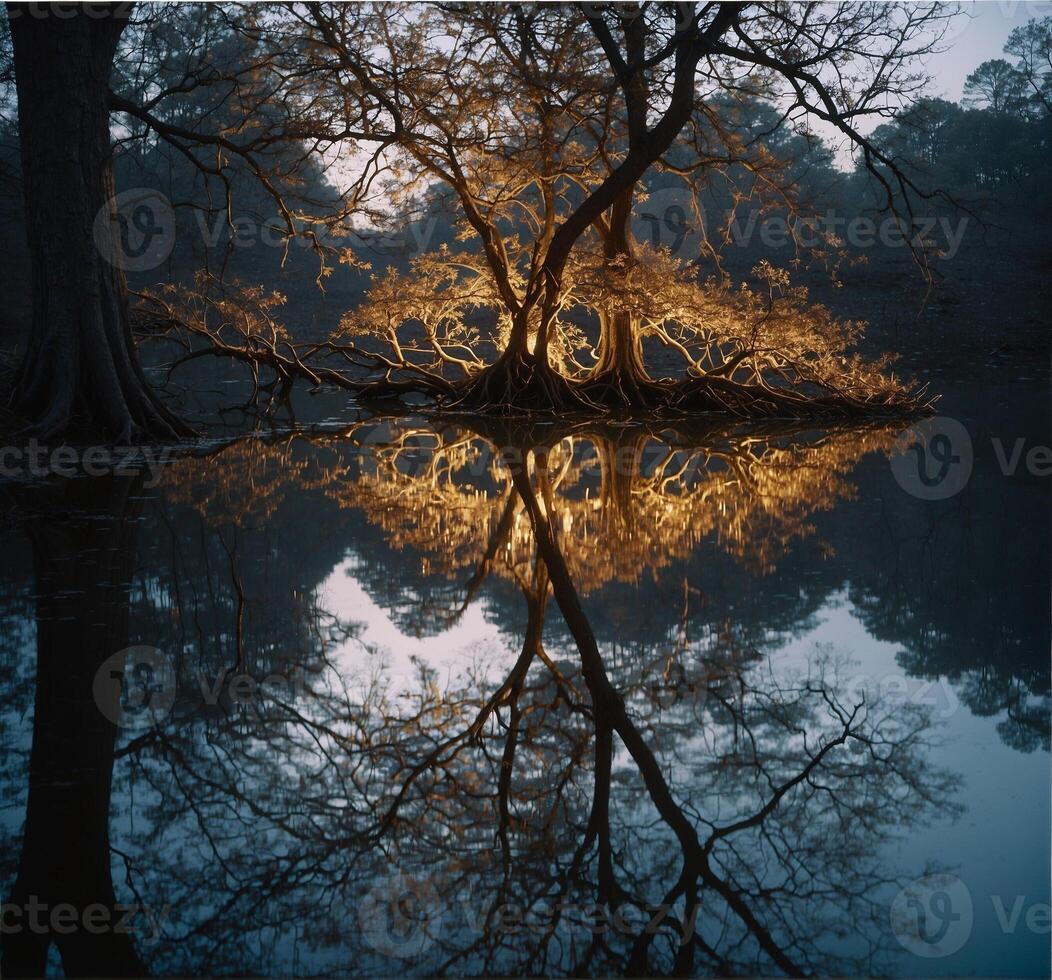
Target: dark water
(313, 706)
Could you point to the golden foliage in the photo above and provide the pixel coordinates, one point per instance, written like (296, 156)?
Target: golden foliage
(621, 500)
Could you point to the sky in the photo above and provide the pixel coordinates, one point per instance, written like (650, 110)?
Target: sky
(978, 34)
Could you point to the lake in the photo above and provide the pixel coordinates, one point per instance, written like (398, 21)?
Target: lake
(401, 696)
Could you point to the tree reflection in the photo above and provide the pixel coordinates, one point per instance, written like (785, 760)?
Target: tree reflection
(681, 803)
(629, 500)
(613, 805)
(83, 537)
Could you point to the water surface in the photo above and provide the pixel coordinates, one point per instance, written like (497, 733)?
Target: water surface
(409, 698)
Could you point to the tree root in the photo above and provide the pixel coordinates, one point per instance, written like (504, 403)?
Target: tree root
(517, 383)
(625, 390)
(720, 396)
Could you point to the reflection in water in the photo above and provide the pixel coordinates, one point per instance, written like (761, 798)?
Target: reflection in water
(562, 792)
(83, 561)
(625, 500)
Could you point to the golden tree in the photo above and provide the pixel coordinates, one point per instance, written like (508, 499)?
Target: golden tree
(543, 122)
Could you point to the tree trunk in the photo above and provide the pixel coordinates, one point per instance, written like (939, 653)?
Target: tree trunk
(620, 377)
(84, 543)
(521, 379)
(80, 369)
(620, 349)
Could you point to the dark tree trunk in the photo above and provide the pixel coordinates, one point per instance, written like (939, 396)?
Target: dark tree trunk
(80, 369)
(84, 545)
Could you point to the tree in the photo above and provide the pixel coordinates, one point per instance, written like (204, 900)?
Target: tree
(191, 79)
(544, 122)
(80, 364)
(65, 854)
(995, 85)
(1031, 44)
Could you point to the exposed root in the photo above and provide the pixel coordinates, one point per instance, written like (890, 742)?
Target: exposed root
(518, 383)
(121, 416)
(751, 385)
(286, 361)
(625, 390)
(716, 395)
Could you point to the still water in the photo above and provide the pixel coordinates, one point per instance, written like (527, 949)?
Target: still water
(411, 699)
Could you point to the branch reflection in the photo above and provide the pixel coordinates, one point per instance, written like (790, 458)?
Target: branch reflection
(693, 808)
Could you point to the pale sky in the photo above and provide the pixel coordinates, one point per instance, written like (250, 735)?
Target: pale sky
(978, 35)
